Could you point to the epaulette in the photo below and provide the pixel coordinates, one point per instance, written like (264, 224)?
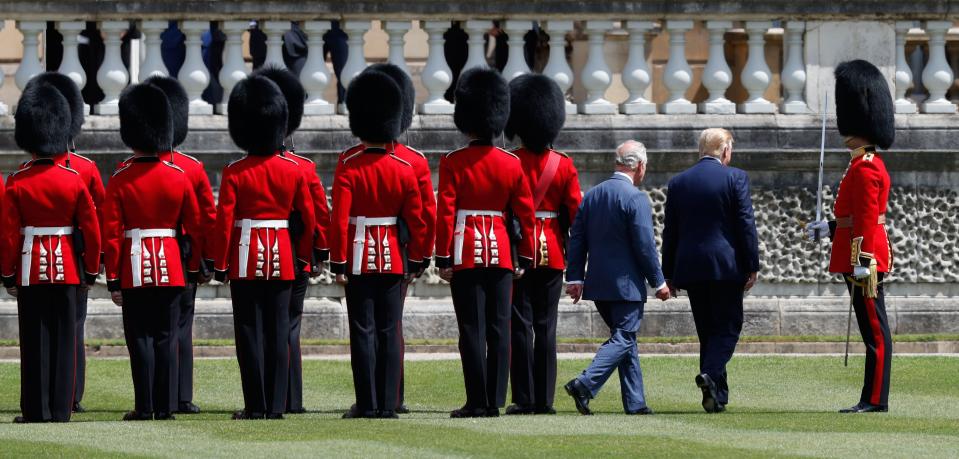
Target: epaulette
(349, 150)
(415, 151)
(507, 152)
(456, 151)
(172, 165)
(77, 155)
(400, 159)
(237, 160)
(304, 158)
(67, 168)
(117, 172)
(344, 160)
(27, 165)
(560, 153)
(288, 159)
(188, 156)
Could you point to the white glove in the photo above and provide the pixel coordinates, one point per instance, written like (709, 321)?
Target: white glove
(860, 272)
(817, 230)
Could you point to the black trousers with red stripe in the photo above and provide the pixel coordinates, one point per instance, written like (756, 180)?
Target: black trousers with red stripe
(150, 316)
(533, 361)
(47, 316)
(874, 328)
(374, 305)
(81, 378)
(261, 322)
(187, 304)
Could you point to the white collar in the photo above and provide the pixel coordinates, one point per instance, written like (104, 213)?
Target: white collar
(713, 158)
(624, 175)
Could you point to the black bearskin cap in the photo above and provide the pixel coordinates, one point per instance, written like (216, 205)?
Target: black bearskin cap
(292, 90)
(42, 121)
(537, 111)
(179, 103)
(375, 103)
(406, 87)
(482, 103)
(257, 114)
(70, 91)
(146, 119)
(864, 105)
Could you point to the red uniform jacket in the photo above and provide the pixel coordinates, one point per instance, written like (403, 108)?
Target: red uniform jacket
(563, 195)
(262, 188)
(89, 174)
(373, 184)
(42, 198)
(321, 210)
(475, 181)
(860, 211)
(146, 195)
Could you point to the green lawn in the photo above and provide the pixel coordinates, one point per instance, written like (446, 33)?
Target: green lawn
(781, 406)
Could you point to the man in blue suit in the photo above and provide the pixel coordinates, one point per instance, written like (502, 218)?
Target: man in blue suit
(614, 230)
(711, 250)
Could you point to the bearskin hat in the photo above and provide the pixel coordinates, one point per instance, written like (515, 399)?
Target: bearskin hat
(179, 103)
(69, 89)
(292, 90)
(146, 118)
(482, 103)
(375, 103)
(864, 105)
(42, 120)
(258, 114)
(537, 111)
(406, 87)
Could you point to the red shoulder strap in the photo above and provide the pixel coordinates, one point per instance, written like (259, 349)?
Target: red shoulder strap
(552, 165)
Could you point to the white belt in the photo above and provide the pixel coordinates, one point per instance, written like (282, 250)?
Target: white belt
(26, 254)
(246, 225)
(136, 248)
(460, 229)
(546, 214)
(359, 237)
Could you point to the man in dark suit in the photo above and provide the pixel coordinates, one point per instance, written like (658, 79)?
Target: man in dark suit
(614, 230)
(711, 250)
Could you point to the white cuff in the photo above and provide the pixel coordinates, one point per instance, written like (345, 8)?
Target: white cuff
(579, 282)
(661, 286)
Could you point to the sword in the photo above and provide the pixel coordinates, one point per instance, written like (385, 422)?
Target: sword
(822, 155)
(852, 293)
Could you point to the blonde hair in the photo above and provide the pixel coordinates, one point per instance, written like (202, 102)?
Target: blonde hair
(631, 154)
(713, 141)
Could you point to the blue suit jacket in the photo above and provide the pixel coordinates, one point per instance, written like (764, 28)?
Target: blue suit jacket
(614, 230)
(710, 232)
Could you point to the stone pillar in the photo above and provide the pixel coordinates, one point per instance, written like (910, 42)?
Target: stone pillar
(437, 75)
(516, 62)
(193, 75)
(30, 65)
(937, 75)
(274, 31)
(477, 54)
(4, 110)
(596, 75)
(112, 75)
(234, 69)
(70, 65)
(794, 70)
(903, 79)
(558, 68)
(315, 76)
(396, 31)
(717, 76)
(636, 76)
(677, 76)
(153, 63)
(756, 75)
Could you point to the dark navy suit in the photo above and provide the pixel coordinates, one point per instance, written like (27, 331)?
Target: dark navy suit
(614, 230)
(710, 247)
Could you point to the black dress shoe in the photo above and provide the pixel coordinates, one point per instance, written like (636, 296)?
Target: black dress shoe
(492, 412)
(708, 387)
(862, 407)
(466, 412)
(244, 415)
(580, 396)
(387, 414)
(78, 408)
(644, 411)
(356, 413)
(274, 416)
(164, 417)
(544, 410)
(403, 409)
(187, 408)
(299, 410)
(20, 420)
(137, 416)
(515, 409)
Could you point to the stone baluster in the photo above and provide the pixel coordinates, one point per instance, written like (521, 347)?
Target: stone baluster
(794, 70)
(112, 76)
(596, 75)
(153, 63)
(557, 67)
(953, 53)
(636, 76)
(937, 75)
(678, 76)
(437, 75)
(717, 76)
(274, 31)
(756, 75)
(70, 65)
(4, 109)
(193, 75)
(234, 69)
(30, 64)
(516, 61)
(315, 76)
(903, 77)
(397, 31)
(917, 61)
(477, 54)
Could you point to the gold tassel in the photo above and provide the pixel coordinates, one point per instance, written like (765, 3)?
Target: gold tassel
(872, 283)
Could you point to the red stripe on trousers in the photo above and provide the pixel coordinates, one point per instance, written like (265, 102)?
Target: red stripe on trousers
(877, 377)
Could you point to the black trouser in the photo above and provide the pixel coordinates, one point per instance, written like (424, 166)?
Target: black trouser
(481, 299)
(47, 316)
(402, 398)
(874, 328)
(374, 304)
(533, 357)
(150, 316)
(187, 306)
(261, 321)
(718, 313)
(81, 376)
(294, 394)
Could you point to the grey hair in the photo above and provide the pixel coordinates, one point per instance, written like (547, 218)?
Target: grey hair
(631, 154)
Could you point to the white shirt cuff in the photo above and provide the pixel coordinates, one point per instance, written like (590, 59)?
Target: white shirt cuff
(574, 282)
(661, 286)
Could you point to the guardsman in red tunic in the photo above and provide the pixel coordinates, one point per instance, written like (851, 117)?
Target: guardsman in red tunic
(147, 201)
(373, 190)
(90, 175)
(42, 265)
(482, 193)
(860, 244)
(295, 95)
(537, 113)
(196, 173)
(254, 249)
